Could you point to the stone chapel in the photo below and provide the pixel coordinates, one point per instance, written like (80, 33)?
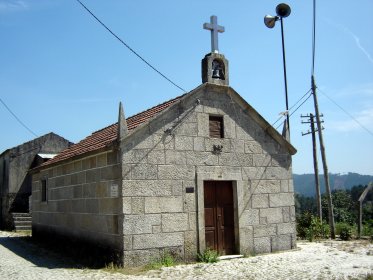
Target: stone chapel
(203, 170)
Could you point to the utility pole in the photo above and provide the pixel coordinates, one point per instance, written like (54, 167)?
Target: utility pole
(315, 164)
(323, 157)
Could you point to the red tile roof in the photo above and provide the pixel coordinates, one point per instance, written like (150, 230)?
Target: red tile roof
(104, 137)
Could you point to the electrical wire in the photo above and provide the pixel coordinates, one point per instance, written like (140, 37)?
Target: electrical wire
(128, 47)
(313, 37)
(18, 119)
(347, 113)
(292, 106)
(297, 108)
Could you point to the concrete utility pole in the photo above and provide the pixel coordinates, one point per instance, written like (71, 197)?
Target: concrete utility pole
(323, 157)
(315, 164)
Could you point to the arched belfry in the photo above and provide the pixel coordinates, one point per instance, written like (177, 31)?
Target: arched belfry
(214, 65)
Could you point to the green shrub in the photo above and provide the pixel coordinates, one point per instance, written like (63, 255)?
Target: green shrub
(317, 229)
(344, 230)
(166, 259)
(303, 223)
(208, 256)
(310, 227)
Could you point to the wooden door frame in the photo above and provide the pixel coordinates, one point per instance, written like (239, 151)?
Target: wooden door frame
(242, 240)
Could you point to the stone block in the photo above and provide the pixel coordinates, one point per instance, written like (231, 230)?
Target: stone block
(286, 215)
(163, 142)
(127, 205)
(190, 245)
(291, 186)
(175, 222)
(78, 206)
(183, 143)
(138, 205)
(246, 241)
(281, 199)
(178, 172)
(77, 165)
(109, 205)
(277, 173)
(284, 186)
(89, 190)
(111, 172)
(229, 127)
(238, 146)
(281, 160)
(145, 143)
(192, 221)
(92, 205)
(175, 157)
(140, 224)
(232, 159)
(144, 171)
(253, 173)
(265, 186)
(286, 228)
(199, 144)
(189, 202)
(92, 175)
(135, 258)
(135, 156)
(159, 240)
(249, 218)
(201, 158)
(264, 230)
(127, 242)
(281, 243)
(262, 245)
(101, 160)
(292, 214)
(112, 158)
(156, 157)
(148, 187)
(260, 201)
(253, 147)
(157, 229)
(102, 189)
(163, 204)
(261, 160)
(188, 129)
(210, 142)
(273, 215)
(203, 124)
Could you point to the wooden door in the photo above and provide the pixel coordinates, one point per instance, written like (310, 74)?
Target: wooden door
(219, 216)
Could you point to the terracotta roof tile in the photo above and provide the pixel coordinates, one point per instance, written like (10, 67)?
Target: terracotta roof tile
(104, 137)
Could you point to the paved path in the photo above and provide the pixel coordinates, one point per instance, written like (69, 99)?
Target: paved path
(328, 260)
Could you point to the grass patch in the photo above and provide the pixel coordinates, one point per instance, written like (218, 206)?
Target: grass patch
(166, 260)
(208, 256)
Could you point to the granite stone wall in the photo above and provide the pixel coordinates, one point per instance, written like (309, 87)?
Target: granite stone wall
(83, 201)
(174, 153)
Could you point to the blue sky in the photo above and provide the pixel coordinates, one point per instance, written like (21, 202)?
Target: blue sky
(61, 71)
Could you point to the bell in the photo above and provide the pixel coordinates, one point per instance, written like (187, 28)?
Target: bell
(216, 74)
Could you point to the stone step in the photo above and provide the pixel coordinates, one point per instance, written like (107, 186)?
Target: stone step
(22, 221)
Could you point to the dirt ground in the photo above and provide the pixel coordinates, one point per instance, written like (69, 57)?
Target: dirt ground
(22, 259)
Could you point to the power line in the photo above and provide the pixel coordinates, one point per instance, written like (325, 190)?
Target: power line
(347, 113)
(297, 108)
(293, 106)
(18, 119)
(128, 47)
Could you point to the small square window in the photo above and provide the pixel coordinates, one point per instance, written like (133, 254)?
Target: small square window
(216, 126)
(44, 190)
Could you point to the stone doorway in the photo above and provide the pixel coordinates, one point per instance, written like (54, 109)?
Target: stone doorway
(219, 216)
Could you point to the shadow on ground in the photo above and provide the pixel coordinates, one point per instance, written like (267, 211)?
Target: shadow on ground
(36, 253)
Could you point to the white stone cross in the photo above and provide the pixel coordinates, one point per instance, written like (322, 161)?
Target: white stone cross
(215, 28)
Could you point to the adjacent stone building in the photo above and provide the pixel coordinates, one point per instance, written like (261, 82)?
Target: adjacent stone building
(201, 170)
(15, 181)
